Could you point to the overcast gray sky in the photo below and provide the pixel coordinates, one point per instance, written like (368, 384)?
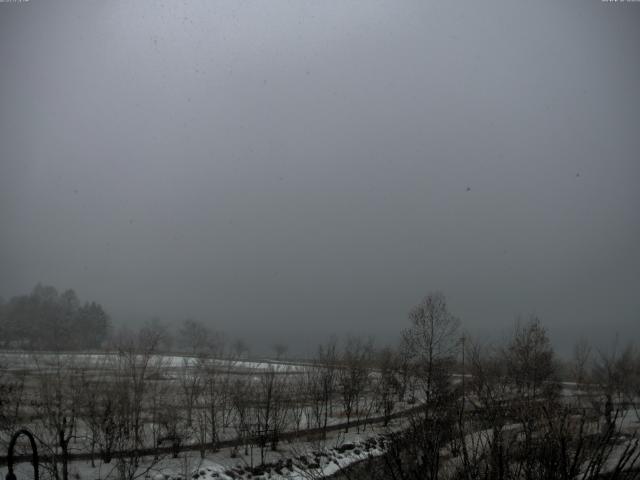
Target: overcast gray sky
(286, 169)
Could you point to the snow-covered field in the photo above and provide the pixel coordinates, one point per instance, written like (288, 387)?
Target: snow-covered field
(293, 460)
(21, 360)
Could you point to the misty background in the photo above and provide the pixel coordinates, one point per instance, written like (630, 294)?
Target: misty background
(285, 170)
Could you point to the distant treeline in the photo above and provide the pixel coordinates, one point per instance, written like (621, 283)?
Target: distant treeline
(48, 320)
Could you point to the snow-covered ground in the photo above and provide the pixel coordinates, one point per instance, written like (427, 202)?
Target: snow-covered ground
(293, 460)
(13, 360)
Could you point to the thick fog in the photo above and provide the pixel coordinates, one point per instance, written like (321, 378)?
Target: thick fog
(282, 170)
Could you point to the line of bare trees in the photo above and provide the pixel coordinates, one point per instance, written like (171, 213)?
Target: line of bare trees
(473, 410)
(514, 411)
(128, 409)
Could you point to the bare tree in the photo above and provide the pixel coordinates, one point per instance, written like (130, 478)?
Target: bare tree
(240, 349)
(280, 349)
(174, 429)
(387, 385)
(430, 343)
(240, 394)
(195, 337)
(96, 406)
(429, 346)
(298, 400)
(136, 364)
(12, 397)
(190, 380)
(580, 361)
(353, 375)
(58, 409)
(616, 376)
(321, 381)
(216, 400)
(316, 412)
(205, 405)
(530, 359)
(270, 411)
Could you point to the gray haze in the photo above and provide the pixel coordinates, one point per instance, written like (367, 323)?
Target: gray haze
(282, 170)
